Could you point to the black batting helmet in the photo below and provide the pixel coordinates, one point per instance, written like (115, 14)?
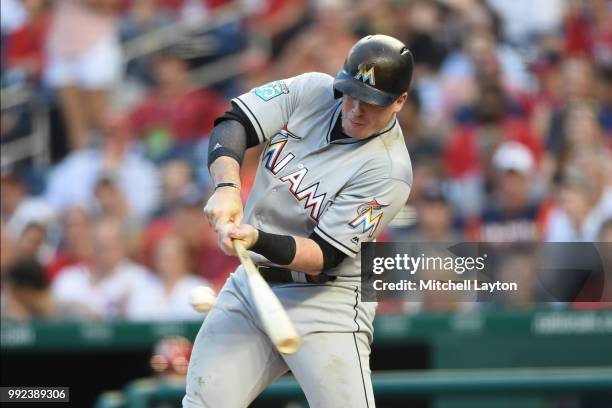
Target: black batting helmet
(377, 70)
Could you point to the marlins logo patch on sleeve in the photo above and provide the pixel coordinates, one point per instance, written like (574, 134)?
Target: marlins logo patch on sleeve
(271, 90)
(366, 218)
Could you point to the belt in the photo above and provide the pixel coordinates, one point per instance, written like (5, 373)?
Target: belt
(272, 274)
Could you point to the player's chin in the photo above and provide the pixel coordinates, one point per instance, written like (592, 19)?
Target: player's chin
(356, 131)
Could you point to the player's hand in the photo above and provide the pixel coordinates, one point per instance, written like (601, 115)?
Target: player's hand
(223, 207)
(244, 232)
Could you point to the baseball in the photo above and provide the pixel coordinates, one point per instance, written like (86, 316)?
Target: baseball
(202, 298)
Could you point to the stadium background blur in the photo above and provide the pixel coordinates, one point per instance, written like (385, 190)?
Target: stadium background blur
(107, 106)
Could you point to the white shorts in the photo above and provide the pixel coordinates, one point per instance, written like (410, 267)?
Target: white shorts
(97, 68)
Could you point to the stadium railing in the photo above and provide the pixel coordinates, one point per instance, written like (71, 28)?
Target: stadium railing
(400, 384)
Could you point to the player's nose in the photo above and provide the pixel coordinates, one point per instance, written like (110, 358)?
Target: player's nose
(358, 107)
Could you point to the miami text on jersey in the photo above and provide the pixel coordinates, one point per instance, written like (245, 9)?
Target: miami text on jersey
(366, 216)
(313, 200)
(272, 154)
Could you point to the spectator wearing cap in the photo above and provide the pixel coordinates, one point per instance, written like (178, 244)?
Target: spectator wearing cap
(73, 181)
(17, 208)
(514, 214)
(102, 288)
(467, 155)
(33, 243)
(166, 298)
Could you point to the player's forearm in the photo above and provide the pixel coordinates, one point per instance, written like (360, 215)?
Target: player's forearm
(308, 256)
(297, 253)
(225, 205)
(225, 152)
(225, 170)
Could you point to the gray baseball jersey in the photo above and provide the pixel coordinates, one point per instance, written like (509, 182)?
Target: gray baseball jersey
(346, 190)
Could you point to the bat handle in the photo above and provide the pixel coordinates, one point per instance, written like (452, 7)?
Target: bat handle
(274, 318)
(244, 257)
(239, 246)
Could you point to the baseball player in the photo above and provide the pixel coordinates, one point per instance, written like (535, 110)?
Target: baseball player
(334, 171)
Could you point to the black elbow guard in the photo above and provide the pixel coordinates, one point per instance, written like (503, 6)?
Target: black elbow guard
(331, 255)
(219, 151)
(228, 138)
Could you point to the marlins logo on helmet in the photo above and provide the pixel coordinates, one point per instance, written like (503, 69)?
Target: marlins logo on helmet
(366, 74)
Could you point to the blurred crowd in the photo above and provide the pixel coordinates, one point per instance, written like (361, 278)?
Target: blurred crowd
(508, 124)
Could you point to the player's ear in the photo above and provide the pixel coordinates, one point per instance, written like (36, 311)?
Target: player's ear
(399, 102)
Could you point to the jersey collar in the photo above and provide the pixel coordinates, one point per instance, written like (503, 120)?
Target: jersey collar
(350, 140)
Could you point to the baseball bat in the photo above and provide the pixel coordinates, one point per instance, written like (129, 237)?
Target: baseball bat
(273, 316)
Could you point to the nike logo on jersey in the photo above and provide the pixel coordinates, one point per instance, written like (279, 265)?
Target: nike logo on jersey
(287, 132)
(366, 217)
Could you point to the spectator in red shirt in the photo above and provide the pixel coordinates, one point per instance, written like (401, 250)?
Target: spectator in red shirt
(25, 46)
(472, 144)
(467, 155)
(174, 114)
(587, 29)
